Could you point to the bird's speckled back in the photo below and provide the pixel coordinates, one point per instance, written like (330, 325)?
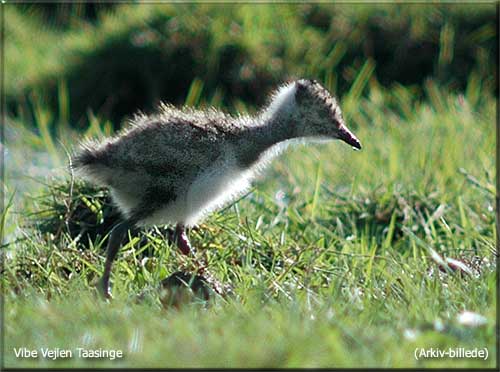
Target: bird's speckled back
(172, 164)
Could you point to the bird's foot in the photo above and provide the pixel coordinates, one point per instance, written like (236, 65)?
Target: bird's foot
(104, 289)
(222, 289)
(183, 287)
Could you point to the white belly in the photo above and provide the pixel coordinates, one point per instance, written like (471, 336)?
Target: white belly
(214, 188)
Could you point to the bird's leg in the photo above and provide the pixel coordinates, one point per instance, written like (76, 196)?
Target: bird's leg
(115, 240)
(186, 248)
(184, 245)
(182, 240)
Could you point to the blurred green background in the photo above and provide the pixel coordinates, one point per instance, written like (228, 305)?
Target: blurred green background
(116, 58)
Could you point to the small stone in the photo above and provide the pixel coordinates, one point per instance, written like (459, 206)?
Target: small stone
(471, 319)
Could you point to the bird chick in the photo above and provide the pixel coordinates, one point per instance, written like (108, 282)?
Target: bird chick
(178, 165)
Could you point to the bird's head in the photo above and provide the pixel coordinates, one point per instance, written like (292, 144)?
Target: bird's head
(317, 114)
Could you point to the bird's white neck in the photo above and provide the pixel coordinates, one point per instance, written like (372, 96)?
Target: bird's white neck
(282, 105)
(274, 125)
(276, 121)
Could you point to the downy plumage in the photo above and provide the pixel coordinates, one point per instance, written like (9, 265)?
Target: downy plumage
(178, 165)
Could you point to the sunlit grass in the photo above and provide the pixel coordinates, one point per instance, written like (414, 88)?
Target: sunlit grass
(334, 255)
(329, 255)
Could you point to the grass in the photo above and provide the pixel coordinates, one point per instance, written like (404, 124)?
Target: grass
(337, 258)
(333, 256)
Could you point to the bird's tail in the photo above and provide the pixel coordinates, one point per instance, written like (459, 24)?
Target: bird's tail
(83, 158)
(87, 161)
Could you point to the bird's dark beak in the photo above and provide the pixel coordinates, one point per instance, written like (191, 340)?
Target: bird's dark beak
(348, 137)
